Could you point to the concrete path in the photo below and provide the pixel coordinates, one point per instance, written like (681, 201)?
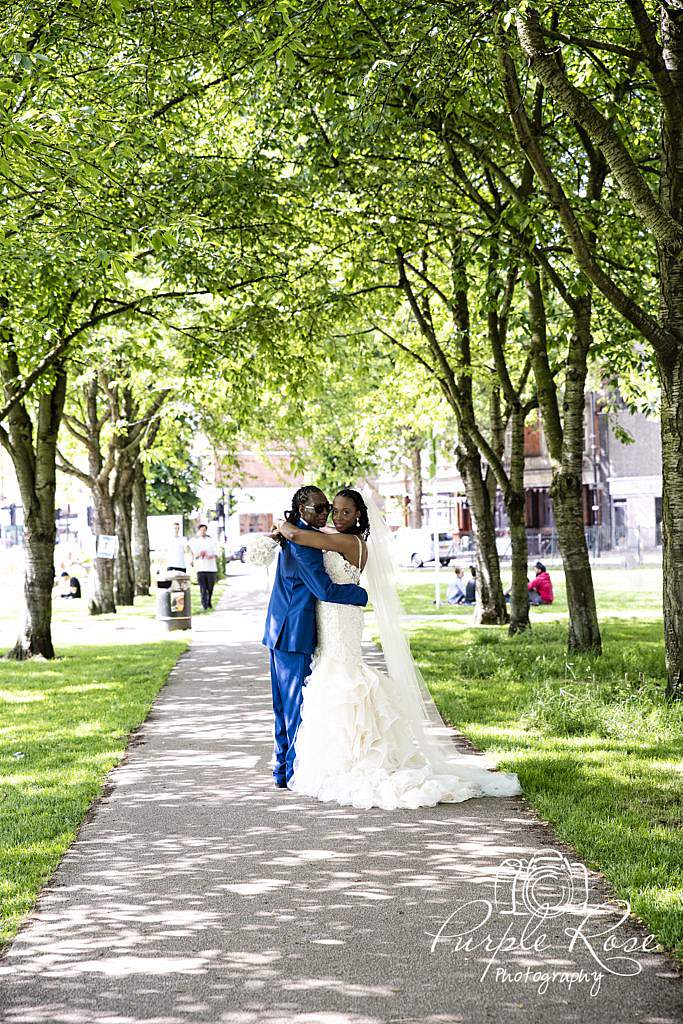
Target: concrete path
(196, 892)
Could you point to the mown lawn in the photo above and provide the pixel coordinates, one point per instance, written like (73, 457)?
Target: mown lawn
(624, 592)
(66, 613)
(63, 725)
(596, 748)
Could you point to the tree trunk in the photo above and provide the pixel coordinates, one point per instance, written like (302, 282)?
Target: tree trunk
(102, 599)
(124, 573)
(490, 607)
(671, 367)
(567, 492)
(515, 506)
(416, 465)
(35, 637)
(671, 378)
(584, 631)
(566, 440)
(35, 466)
(141, 559)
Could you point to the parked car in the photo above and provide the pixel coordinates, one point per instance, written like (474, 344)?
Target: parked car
(416, 547)
(238, 553)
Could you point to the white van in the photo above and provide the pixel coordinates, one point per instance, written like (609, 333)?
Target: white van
(416, 547)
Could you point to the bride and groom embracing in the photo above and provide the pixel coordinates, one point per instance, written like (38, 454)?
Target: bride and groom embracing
(344, 731)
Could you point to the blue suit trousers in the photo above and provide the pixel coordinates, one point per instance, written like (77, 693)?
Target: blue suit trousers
(288, 670)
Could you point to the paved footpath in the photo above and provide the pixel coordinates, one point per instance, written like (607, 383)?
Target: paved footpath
(195, 892)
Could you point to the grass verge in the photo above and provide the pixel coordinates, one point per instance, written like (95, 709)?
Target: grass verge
(63, 725)
(625, 592)
(596, 748)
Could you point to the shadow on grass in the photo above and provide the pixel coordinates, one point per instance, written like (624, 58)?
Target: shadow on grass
(65, 723)
(596, 747)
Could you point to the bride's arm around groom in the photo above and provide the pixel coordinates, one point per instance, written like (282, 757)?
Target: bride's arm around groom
(290, 635)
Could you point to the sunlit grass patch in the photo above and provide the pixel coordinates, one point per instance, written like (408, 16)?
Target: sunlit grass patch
(63, 725)
(596, 747)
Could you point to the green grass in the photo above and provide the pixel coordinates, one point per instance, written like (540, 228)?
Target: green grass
(625, 592)
(64, 724)
(68, 612)
(596, 748)
(144, 607)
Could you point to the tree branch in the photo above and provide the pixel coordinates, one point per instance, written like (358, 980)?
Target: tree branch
(662, 340)
(667, 231)
(190, 94)
(65, 466)
(654, 59)
(414, 355)
(594, 44)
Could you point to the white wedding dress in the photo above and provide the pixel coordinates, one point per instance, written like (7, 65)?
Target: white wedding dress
(356, 743)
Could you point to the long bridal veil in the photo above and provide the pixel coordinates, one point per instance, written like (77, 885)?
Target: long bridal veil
(433, 740)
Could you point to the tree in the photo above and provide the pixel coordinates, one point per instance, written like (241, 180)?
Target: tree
(114, 424)
(653, 48)
(172, 489)
(99, 210)
(32, 445)
(410, 90)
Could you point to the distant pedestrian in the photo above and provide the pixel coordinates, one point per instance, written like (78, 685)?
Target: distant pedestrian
(204, 558)
(455, 593)
(175, 556)
(471, 587)
(541, 587)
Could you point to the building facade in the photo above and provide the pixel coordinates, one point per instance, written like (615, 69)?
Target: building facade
(622, 486)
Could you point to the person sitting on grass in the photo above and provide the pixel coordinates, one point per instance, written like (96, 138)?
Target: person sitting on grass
(70, 586)
(541, 587)
(471, 587)
(455, 593)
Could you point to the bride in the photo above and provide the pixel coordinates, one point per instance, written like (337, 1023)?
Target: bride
(367, 739)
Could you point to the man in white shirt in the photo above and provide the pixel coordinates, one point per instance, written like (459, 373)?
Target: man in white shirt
(203, 552)
(175, 556)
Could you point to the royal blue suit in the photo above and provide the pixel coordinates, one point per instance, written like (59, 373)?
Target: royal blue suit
(290, 634)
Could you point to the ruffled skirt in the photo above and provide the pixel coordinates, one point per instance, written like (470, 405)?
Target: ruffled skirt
(353, 747)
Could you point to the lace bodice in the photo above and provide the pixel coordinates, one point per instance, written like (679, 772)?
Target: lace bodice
(338, 569)
(340, 626)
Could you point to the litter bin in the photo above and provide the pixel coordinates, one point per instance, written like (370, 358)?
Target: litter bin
(173, 602)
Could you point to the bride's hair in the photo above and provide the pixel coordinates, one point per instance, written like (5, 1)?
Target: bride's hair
(363, 527)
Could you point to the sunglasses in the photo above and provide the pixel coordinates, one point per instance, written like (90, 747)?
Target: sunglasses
(319, 509)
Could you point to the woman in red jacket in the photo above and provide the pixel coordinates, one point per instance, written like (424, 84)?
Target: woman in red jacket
(541, 588)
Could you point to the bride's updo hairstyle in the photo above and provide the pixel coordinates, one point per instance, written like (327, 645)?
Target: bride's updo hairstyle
(362, 528)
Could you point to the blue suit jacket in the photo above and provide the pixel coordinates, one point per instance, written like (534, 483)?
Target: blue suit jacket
(300, 581)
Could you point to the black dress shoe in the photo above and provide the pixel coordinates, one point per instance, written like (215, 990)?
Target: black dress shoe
(280, 785)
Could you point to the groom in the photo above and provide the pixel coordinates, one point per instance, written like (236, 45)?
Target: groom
(290, 633)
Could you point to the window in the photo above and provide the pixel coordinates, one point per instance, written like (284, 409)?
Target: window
(539, 509)
(256, 522)
(533, 442)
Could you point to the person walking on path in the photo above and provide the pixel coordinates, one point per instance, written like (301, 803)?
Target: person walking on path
(290, 631)
(204, 558)
(175, 556)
